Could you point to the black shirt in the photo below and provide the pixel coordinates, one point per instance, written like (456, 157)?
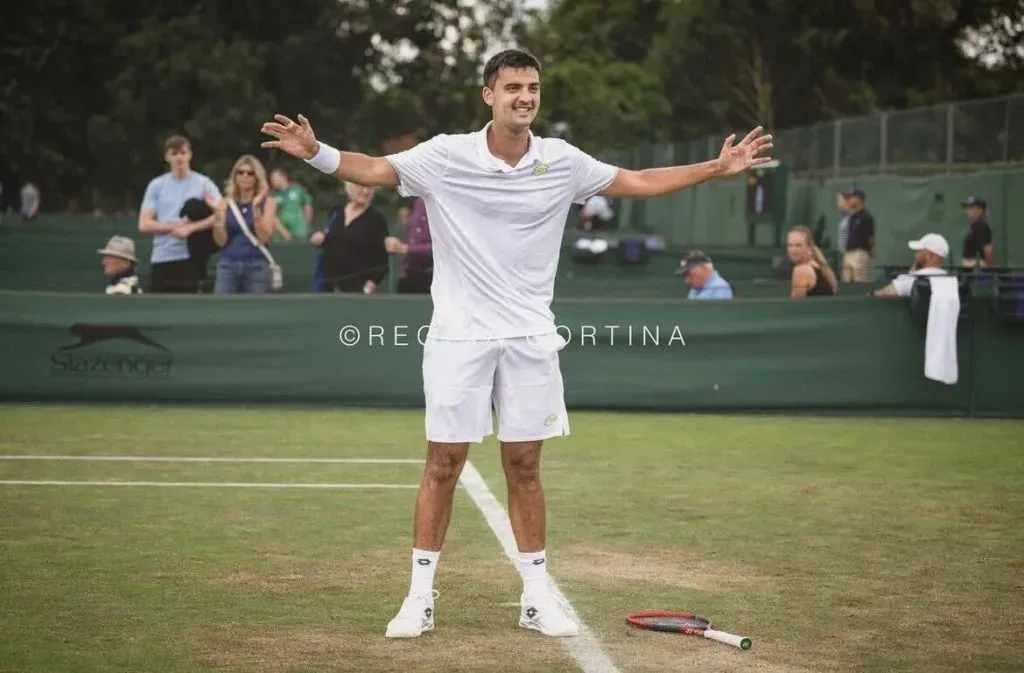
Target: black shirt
(978, 236)
(355, 253)
(821, 286)
(862, 230)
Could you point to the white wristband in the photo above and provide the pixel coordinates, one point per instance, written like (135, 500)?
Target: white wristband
(326, 160)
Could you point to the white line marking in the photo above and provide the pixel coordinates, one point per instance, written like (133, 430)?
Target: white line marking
(584, 648)
(208, 484)
(210, 459)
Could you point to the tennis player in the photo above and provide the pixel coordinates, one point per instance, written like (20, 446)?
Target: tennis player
(498, 201)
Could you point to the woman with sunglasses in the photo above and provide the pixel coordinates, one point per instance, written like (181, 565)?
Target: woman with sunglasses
(242, 267)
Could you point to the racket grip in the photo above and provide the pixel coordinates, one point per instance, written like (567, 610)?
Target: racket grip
(728, 638)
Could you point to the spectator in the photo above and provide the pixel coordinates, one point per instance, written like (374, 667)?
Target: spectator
(119, 266)
(294, 207)
(29, 202)
(705, 283)
(843, 231)
(417, 271)
(354, 258)
(812, 275)
(977, 249)
(172, 270)
(930, 255)
(402, 218)
(860, 238)
(244, 222)
(596, 213)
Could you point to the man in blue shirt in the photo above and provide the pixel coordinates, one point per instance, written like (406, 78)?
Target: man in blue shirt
(171, 269)
(705, 283)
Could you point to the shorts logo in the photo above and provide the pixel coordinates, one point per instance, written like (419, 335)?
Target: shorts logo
(550, 420)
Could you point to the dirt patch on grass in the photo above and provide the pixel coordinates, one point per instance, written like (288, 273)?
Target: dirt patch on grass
(449, 651)
(282, 574)
(662, 652)
(663, 567)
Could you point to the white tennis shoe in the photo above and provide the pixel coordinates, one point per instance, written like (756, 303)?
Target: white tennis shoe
(544, 613)
(415, 618)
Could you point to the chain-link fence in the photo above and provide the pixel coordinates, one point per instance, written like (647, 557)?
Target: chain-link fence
(952, 137)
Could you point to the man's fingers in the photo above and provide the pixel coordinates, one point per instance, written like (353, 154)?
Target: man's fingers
(304, 121)
(728, 142)
(284, 120)
(750, 136)
(271, 144)
(272, 129)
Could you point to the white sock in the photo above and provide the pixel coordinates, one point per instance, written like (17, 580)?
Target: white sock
(534, 569)
(424, 563)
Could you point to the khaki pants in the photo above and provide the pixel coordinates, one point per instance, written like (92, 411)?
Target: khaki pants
(855, 266)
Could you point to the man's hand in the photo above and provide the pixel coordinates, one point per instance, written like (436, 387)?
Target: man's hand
(395, 246)
(370, 287)
(317, 239)
(744, 156)
(182, 230)
(295, 139)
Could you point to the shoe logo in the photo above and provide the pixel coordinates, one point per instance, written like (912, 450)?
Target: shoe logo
(538, 561)
(423, 561)
(90, 334)
(531, 612)
(427, 612)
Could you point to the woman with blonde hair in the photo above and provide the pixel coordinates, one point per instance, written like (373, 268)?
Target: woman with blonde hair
(812, 275)
(353, 255)
(242, 267)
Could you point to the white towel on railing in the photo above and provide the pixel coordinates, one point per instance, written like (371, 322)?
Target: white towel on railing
(940, 353)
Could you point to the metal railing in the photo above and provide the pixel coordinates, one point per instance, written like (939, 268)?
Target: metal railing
(952, 137)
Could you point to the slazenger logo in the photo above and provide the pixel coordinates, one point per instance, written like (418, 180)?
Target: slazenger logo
(90, 334)
(122, 361)
(540, 170)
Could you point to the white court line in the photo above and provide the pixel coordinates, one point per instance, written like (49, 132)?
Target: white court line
(585, 648)
(207, 484)
(210, 459)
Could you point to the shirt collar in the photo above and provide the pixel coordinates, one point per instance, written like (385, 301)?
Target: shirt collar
(531, 157)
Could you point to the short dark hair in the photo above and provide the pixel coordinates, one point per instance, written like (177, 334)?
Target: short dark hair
(517, 59)
(176, 143)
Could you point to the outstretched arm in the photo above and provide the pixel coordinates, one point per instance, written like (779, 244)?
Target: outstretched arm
(298, 140)
(659, 181)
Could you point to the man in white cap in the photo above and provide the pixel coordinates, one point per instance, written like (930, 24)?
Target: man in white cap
(119, 266)
(930, 255)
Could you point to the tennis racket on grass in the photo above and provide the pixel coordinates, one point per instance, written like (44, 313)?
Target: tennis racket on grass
(685, 623)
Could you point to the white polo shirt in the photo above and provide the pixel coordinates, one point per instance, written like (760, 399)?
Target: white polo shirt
(496, 229)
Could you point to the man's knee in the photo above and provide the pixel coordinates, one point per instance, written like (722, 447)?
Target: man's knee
(445, 461)
(521, 461)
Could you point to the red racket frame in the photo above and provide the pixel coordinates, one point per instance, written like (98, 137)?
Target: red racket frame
(634, 620)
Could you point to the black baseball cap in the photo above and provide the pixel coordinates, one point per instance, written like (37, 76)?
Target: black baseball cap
(692, 259)
(974, 201)
(855, 191)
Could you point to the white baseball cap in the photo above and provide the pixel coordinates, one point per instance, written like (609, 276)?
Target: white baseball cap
(934, 243)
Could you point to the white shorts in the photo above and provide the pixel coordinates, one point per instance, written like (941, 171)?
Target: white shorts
(463, 381)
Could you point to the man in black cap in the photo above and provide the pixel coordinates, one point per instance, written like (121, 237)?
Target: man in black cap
(977, 249)
(705, 283)
(860, 238)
